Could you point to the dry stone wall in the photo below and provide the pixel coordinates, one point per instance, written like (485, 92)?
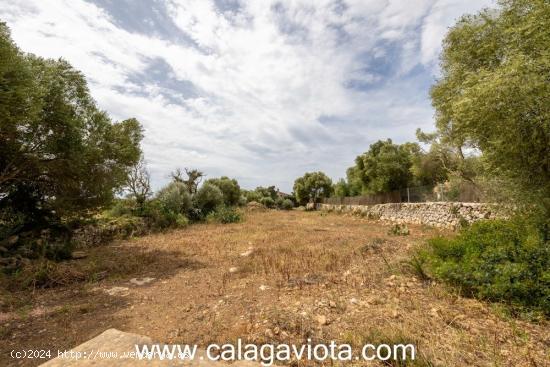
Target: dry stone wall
(437, 214)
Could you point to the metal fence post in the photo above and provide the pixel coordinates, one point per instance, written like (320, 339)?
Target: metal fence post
(408, 196)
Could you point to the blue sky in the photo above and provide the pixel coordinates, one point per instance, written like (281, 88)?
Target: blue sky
(261, 91)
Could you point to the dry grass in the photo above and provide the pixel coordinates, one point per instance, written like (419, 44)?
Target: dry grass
(304, 267)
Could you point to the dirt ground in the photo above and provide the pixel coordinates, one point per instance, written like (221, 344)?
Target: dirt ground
(276, 277)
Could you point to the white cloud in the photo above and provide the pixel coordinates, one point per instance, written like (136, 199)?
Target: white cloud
(262, 77)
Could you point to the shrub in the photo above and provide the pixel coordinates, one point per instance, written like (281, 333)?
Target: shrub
(267, 202)
(224, 214)
(229, 187)
(174, 198)
(242, 200)
(399, 230)
(287, 204)
(505, 261)
(159, 217)
(252, 196)
(207, 198)
(121, 207)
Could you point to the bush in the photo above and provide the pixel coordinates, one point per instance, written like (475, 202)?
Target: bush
(159, 217)
(505, 261)
(121, 207)
(224, 214)
(175, 198)
(399, 230)
(286, 204)
(267, 202)
(252, 196)
(243, 201)
(230, 189)
(208, 198)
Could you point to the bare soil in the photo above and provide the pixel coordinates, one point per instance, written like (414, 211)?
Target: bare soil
(276, 277)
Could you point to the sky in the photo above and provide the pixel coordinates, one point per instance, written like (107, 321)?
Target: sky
(261, 91)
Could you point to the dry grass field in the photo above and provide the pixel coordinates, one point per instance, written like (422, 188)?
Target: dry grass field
(276, 277)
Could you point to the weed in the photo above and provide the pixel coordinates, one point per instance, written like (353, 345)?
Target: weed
(417, 266)
(372, 246)
(399, 230)
(224, 214)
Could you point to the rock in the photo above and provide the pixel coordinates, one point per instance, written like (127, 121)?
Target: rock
(142, 281)
(248, 252)
(117, 291)
(78, 255)
(233, 269)
(353, 301)
(268, 333)
(322, 320)
(263, 287)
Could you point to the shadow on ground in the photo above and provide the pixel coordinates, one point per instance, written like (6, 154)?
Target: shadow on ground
(56, 306)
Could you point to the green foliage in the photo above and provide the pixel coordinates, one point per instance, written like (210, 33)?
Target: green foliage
(494, 91)
(313, 186)
(207, 198)
(399, 230)
(270, 191)
(252, 195)
(230, 189)
(242, 200)
(174, 198)
(60, 155)
(121, 207)
(354, 182)
(385, 167)
(428, 168)
(268, 202)
(286, 204)
(341, 189)
(158, 217)
(224, 214)
(505, 261)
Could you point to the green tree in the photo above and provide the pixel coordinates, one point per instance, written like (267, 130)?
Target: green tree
(494, 91)
(230, 189)
(341, 188)
(207, 198)
(270, 191)
(355, 184)
(59, 154)
(175, 198)
(311, 187)
(385, 167)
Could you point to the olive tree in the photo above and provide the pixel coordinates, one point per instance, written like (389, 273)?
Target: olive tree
(494, 91)
(312, 187)
(230, 189)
